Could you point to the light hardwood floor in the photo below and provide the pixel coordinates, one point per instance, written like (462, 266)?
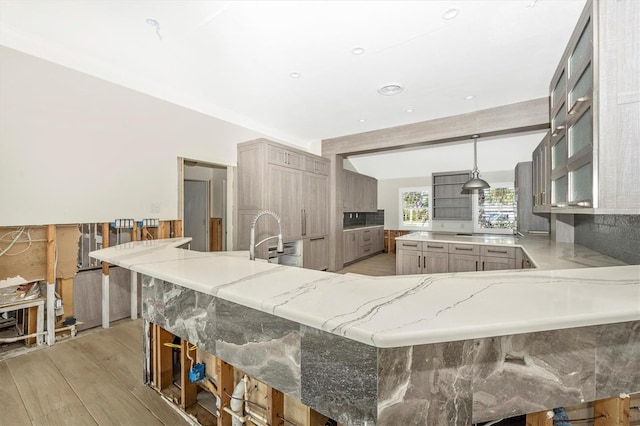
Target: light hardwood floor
(94, 378)
(379, 265)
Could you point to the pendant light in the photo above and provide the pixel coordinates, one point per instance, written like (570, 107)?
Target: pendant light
(475, 182)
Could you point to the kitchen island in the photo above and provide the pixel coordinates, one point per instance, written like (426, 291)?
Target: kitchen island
(419, 349)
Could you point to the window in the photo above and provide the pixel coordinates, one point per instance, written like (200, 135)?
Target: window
(415, 208)
(495, 209)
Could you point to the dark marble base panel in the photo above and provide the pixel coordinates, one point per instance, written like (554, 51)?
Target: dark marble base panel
(453, 383)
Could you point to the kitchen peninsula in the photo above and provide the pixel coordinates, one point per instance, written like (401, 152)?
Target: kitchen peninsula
(446, 348)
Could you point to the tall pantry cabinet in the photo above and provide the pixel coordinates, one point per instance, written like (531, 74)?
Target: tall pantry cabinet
(294, 185)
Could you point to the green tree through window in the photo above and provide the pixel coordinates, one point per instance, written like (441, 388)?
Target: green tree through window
(415, 208)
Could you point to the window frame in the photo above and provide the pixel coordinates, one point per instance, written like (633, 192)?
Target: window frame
(428, 225)
(476, 208)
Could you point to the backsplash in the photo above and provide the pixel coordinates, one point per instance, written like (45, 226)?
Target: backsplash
(363, 219)
(617, 236)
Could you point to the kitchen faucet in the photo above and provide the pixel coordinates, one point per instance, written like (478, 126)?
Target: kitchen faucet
(252, 242)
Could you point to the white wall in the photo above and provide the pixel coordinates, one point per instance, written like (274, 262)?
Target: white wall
(388, 200)
(74, 148)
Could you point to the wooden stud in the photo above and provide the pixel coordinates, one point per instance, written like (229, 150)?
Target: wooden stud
(51, 284)
(275, 407)
(105, 244)
(32, 325)
(188, 390)
(224, 373)
(540, 418)
(177, 229)
(612, 411)
(163, 362)
(164, 229)
(134, 231)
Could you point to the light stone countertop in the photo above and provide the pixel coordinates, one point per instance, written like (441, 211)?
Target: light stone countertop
(402, 310)
(542, 251)
(358, 227)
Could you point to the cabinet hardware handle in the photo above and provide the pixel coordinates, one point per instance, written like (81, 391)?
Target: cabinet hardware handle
(497, 251)
(317, 239)
(418, 262)
(438, 247)
(424, 262)
(409, 245)
(483, 265)
(522, 266)
(464, 249)
(476, 265)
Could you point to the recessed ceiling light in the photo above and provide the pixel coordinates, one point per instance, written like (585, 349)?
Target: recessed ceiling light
(450, 14)
(410, 110)
(357, 50)
(390, 89)
(468, 97)
(294, 75)
(362, 120)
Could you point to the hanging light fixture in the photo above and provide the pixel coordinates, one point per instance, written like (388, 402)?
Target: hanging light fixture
(475, 182)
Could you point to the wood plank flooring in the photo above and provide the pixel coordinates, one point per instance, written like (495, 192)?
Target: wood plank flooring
(382, 264)
(93, 379)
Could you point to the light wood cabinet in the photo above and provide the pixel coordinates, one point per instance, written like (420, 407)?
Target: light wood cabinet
(291, 183)
(541, 177)
(351, 246)
(359, 192)
(463, 262)
(316, 253)
(362, 242)
(594, 110)
(527, 221)
(414, 257)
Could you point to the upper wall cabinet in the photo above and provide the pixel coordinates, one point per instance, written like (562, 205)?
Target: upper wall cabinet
(594, 106)
(359, 192)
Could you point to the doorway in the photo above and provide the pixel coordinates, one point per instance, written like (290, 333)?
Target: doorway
(203, 188)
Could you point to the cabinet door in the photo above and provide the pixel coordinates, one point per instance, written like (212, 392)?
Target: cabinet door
(371, 194)
(379, 241)
(497, 263)
(285, 190)
(350, 246)
(316, 253)
(348, 189)
(408, 262)
(463, 263)
(284, 157)
(315, 215)
(435, 262)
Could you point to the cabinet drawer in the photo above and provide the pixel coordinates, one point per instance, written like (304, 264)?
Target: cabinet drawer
(464, 249)
(366, 250)
(409, 245)
(498, 251)
(365, 236)
(435, 247)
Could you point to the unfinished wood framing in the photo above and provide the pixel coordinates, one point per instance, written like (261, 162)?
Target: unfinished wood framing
(188, 390)
(275, 407)
(224, 373)
(162, 360)
(612, 411)
(542, 418)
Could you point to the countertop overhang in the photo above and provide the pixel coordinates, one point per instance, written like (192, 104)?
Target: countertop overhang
(398, 311)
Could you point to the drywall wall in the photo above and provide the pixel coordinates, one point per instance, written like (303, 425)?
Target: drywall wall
(74, 148)
(388, 199)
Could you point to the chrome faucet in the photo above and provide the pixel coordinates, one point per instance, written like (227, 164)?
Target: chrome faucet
(252, 242)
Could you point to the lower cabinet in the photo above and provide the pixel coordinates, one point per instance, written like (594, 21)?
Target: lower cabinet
(362, 242)
(431, 257)
(315, 253)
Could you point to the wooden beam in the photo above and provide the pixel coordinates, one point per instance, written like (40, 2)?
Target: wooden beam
(540, 418)
(134, 231)
(51, 284)
(164, 229)
(508, 119)
(163, 362)
(612, 411)
(224, 374)
(188, 390)
(105, 244)
(177, 228)
(275, 407)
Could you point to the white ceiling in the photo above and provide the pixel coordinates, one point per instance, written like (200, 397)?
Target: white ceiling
(233, 60)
